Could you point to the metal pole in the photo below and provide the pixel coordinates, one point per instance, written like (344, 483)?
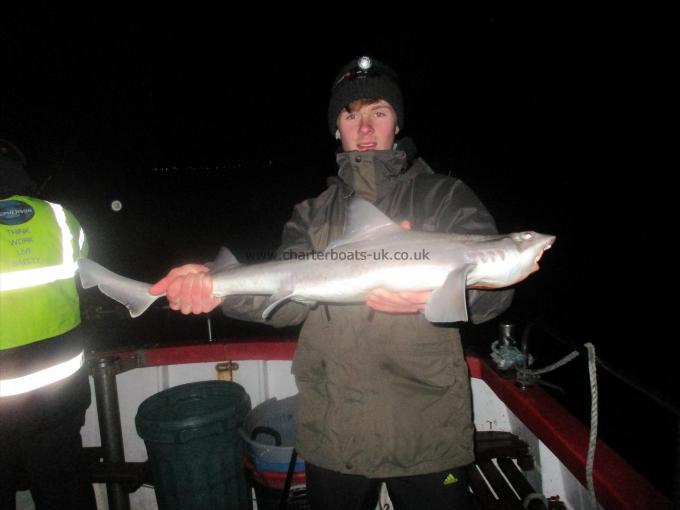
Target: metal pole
(104, 374)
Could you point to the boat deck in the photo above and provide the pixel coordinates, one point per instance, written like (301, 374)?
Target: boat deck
(554, 439)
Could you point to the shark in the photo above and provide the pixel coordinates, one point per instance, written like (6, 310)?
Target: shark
(373, 252)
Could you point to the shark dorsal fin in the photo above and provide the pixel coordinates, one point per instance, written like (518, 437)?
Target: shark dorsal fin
(225, 260)
(364, 220)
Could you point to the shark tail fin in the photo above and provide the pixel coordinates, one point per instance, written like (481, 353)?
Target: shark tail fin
(131, 293)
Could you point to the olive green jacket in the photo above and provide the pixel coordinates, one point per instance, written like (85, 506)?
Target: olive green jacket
(381, 395)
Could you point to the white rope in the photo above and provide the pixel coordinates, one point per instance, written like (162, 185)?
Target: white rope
(592, 442)
(557, 364)
(527, 376)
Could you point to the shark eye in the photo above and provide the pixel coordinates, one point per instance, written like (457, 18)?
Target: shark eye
(527, 236)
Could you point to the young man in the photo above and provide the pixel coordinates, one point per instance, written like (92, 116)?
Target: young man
(384, 397)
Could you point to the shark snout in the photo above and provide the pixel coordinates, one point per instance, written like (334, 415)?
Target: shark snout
(546, 244)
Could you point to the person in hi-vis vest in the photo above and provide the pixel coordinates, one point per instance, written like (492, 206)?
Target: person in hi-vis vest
(44, 388)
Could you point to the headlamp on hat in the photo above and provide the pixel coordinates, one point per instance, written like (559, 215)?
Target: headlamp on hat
(364, 78)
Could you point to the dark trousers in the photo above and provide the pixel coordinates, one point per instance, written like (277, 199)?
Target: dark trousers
(330, 490)
(40, 441)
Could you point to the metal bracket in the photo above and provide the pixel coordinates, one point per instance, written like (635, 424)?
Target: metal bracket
(225, 370)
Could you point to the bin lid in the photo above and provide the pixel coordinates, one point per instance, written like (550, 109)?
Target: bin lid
(192, 410)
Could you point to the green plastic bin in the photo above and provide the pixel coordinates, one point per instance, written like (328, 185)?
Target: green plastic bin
(195, 450)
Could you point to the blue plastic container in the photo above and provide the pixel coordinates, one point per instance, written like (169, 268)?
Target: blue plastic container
(261, 447)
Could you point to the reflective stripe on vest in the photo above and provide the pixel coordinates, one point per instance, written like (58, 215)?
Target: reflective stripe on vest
(30, 382)
(42, 275)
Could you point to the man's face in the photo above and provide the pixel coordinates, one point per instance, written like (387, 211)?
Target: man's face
(369, 128)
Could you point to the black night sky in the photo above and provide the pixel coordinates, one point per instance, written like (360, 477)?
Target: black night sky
(209, 130)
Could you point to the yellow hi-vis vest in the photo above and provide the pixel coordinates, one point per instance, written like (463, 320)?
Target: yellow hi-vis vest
(40, 243)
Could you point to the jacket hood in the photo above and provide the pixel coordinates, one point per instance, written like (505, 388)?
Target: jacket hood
(372, 174)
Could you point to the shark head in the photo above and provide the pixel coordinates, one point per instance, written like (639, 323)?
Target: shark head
(530, 247)
(510, 261)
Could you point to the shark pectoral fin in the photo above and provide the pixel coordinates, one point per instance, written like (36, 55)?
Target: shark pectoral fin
(131, 293)
(447, 303)
(275, 300)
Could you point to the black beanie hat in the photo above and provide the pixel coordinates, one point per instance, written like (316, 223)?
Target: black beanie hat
(364, 78)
